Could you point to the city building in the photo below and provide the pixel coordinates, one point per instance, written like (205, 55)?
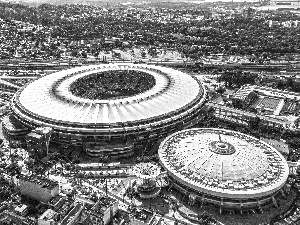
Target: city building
(22, 210)
(108, 125)
(13, 128)
(244, 99)
(286, 3)
(9, 217)
(57, 202)
(266, 100)
(144, 217)
(274, 107)
(38, 141)
(103, 211)
(64, 209)
(38, 188)
(49, 217)
(229, 169)
(73, 215)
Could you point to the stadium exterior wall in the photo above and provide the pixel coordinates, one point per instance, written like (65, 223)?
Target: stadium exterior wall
(234, 199)
(74, 133)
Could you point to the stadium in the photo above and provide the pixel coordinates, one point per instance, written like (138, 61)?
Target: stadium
(226, 168)
(107, 108)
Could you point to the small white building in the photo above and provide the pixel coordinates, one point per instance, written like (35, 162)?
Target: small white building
(49, 217)
(22, 210)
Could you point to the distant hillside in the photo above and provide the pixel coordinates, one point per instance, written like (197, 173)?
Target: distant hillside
(90, 2)
(86, 2)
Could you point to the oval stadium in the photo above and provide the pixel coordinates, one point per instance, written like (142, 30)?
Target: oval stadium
(111, 105)
(226, 168)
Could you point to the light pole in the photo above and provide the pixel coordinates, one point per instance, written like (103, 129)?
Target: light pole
(106, 187)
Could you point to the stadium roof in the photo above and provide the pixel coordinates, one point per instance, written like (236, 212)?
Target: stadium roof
(223, 163)
(243, 92)
(49, 98)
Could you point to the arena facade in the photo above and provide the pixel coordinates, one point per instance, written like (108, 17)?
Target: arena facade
(229, 169)
(111, 104)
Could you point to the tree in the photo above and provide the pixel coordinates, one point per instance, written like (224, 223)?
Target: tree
(30, 163)
(290, 83)
(227, 78)
(281, 85)
(294, 142)
(221, 90)
(254, 123)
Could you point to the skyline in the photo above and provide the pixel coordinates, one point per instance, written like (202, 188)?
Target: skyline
(118, 1)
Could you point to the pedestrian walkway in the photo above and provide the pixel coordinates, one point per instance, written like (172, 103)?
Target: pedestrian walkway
(9, 84)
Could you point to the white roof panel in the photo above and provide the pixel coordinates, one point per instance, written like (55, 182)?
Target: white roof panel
(49, 97)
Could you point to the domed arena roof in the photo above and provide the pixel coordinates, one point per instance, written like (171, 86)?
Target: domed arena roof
(108, 94)
(223, 163)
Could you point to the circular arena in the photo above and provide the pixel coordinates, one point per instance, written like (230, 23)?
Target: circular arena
(111, 103)
(223, 167)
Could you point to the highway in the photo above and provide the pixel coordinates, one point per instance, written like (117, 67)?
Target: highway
(46, 65)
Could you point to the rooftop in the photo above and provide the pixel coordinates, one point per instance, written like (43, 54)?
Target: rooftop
(173, 91)
(12, 123)
(41, 181)
(75, 210)
(103, 203)
(48, 215)
(267, 91)
(223, 162)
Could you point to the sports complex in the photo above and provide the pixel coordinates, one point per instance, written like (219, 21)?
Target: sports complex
(223, 167)
(108, 107)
